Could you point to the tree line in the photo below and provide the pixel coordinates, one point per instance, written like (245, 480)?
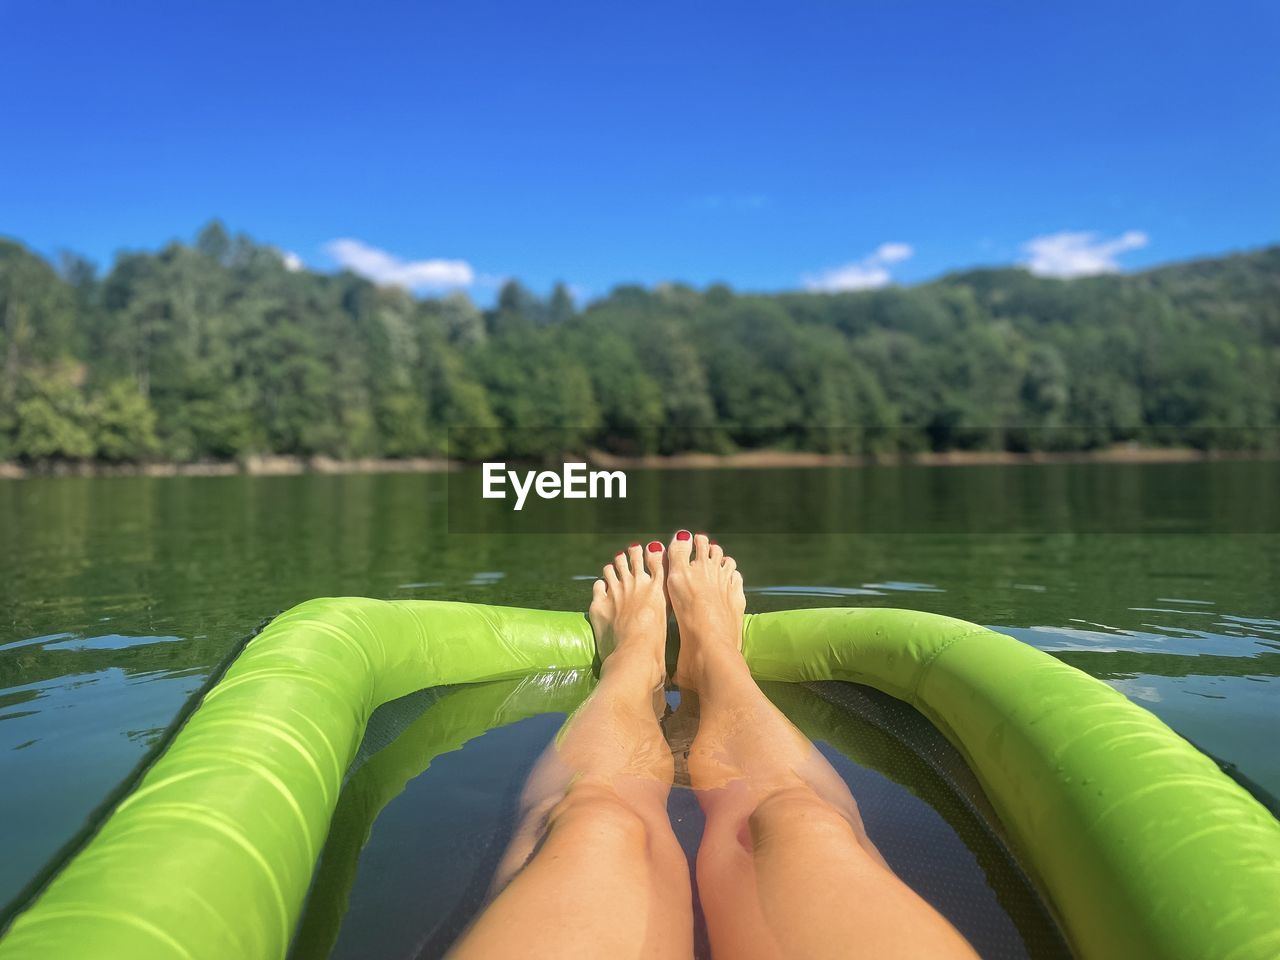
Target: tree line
(218, 351)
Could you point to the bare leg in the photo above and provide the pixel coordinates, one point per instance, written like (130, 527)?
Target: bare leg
(785, 868)
(594, 869)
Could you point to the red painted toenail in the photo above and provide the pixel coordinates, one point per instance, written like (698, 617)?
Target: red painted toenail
(683, 535)
(655, 546)
(630, 545)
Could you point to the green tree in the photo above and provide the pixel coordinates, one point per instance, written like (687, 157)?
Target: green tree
(560, 308)
(52, 419)
(215, 350)
(123, 424)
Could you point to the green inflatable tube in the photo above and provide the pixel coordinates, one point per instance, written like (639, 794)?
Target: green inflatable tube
(1142, 846)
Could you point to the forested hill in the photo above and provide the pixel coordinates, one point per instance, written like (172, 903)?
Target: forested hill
(218, 351)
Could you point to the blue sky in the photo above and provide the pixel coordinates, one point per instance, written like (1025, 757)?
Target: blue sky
(769, 145)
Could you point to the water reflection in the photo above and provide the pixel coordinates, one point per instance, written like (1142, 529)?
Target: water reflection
(119, 595)
(67, 739)
(438, 775)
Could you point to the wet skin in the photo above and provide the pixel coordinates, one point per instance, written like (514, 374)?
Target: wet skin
(785, 868)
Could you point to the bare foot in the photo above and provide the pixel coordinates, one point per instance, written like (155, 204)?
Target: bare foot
(706, 594)
(628, 611)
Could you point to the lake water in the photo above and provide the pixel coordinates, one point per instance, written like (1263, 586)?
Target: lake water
(119, 595)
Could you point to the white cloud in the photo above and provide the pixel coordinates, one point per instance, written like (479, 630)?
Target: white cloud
(292, 262)
(866, 274)
(893, 252)
(389, 270)
(1078, 253)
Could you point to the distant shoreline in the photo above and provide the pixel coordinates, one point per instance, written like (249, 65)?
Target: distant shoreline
(775, 459)
(280, 466)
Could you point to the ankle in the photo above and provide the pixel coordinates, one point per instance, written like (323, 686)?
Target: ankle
(711, 630)
(633, 665)
(708, 664)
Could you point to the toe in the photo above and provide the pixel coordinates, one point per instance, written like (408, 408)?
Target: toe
(653, 560)
(681, 546)
(598, 592)
(700, 543)
(610, 576)
(729, 564)
(635, 559)
(620, 562)
(715, 553)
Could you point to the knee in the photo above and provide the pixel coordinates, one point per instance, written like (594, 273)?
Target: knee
(793, 813)
(598, 811)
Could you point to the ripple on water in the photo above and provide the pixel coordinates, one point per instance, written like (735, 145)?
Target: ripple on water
(72, 734)
(1158, 638)
(1262, 624)
(905, 586)
(108, 641)
(815, 591)
(866, 590)
(34, 641)
(1181, 613)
